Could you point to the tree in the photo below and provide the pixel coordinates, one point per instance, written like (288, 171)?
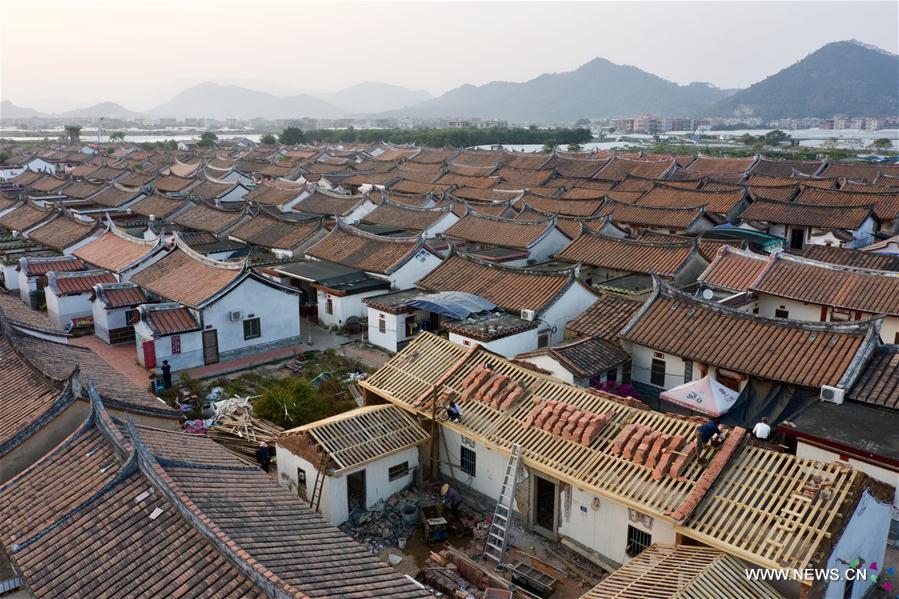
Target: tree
(268, 139)
(772, 138)
(117, 136)
(74, 133)
(4, 156)
(207, 139)
(882, 143)
(292, 136)
(574, 148)
(148, 146)
(289, 402)
(582, 123)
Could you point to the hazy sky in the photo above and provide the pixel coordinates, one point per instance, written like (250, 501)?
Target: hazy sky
(62, 55)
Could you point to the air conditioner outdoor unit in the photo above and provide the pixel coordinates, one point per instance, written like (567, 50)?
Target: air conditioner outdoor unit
(832, 394)
(235, 315)
(528, 315)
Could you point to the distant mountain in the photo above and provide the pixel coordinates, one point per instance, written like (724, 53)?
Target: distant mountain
(109, 110)
(8, 110)
(598, 89)
(839, 78)
(231, 101)
(368, 97)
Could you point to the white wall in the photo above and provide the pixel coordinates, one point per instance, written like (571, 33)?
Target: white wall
(552, 365)
(508, 347)
(394, 327)
(278, 313)
(551, 244)
(890, 477)
(448, 220)
(343, 306)
(490, 465)
(62, 309)
(571, 304)
(641, 365)
(865, 536)
(812, 312)
(10, 277)
(191, 355)
(106, 320)
(604, 530)
(334, 507)
(416, 268)
(26, 286)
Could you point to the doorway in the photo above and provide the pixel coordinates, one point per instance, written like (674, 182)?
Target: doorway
(545, 500)
(355, 491)
(797, 239)
(210, 347)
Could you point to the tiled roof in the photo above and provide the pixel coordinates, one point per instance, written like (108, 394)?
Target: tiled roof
(878, 383)
(479, 158)
(113, 196)
(871, 291)
(708, 165)
(499, 231)
(733, 270)
(577, 167)
(26, 178)
(269, 231)
(632, 183)
(211, 190)
(39, 266)
(523, 178)
(106, 173)
(855, 171)
(618, 168)
(120, 295)
(790, 213)
(755, 180)
(173, 184)
(560, 206)
(24, 216)
(434, 155)
(75, 283)
(463, 181)
(854, 258)
(630, 214)
(606, 317)
(886, 205)
(271, 195)
(26, 394)
(708, 248)
(157, 206)
(187, 279)
(202, 217)
(781, 193)
(629, 255)
(786, 168)
(62, 231)
(354, 248)
(583, 357)
(407, 186)
(80, 190)
(513, 289)
(391, 214)
(169, 319)
(716, 202)
(583, 193)
(16, 312)
(477, 193)
(48, 184)
(525, 160)
(327, 203)
(115, 251)
(799, 353)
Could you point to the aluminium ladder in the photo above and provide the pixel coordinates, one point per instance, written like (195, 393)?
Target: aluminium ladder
(498, 534)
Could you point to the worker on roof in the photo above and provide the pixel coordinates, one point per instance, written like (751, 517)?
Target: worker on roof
(705, 433)
(452, 498)
(454, 411)
(263, 456)
(762, 430)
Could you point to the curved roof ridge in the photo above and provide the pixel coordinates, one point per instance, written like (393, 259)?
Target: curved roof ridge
(351, 230)
(180, 244)
(675, 244)
(568, 271)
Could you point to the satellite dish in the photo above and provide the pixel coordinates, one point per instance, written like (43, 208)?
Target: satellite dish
(708, 294)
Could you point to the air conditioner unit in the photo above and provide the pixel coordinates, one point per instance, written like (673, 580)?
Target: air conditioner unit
(528, 315)
(235, 315)
(832, 394)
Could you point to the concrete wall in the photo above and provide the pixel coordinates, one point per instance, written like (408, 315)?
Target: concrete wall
(551, 244)
(10, 277)
(641, 367)
(106, 320)
(62, 309)
(575, 300)
(412, 271)
(865, 536)
(812, 312)
(191, 355)
(334, 507)
(552, 365)
(26, 286)
(394, 328)
(344, 306)
(507, 347)
(278, 313)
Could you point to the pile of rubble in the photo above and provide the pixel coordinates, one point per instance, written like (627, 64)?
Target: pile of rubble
(388, 523)
(236, 426)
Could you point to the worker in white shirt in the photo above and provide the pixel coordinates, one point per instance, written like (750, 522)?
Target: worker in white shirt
(762, 430)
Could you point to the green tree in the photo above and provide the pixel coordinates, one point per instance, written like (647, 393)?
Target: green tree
(4, 156)
(117, 136)
(268, 139)
(882, 143)
(574, 148)
(582, 123)
(292, 136)
(148, 146)
(289, 402)
(772, 138)
(207, 139)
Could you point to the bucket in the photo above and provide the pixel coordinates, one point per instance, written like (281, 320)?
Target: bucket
(410, 514)
(401, 542)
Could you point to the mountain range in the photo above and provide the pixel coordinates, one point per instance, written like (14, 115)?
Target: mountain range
(841, 77)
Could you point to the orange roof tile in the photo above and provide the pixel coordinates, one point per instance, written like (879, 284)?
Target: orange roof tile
(185, 277)
(354, 248)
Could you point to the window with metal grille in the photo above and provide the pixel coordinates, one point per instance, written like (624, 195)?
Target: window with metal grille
(468, 461)
(785, 314)
(398, 471)
(252, 328)
(382, 324)
(637, 541)
(543, 338)
(657, 373)
(329, 306)
(688, 371)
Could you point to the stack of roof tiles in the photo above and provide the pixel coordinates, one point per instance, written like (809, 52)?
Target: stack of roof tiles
(497, 390)
(568, 421)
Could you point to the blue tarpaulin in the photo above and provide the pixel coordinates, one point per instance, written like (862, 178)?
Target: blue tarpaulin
(454, 304)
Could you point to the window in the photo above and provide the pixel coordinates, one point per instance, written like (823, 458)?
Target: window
(637, 541)
(301, 483)
(398, 471)
(252, 328)
(840, 315)
(780, 313)
(543, 338)
(329, 306)
(131, 317)
(469, 461)
(657, 373)
(688, 371)
(382, 324)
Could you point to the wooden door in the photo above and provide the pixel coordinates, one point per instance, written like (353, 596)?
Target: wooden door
(210, 346)
(797, 239)
(355, 491)
(149, 349)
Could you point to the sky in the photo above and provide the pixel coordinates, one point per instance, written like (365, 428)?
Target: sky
(58, 56)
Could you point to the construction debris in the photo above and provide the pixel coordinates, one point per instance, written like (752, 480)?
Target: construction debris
(237, 428)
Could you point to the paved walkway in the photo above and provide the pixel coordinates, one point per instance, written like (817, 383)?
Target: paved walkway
(122, 357)
(222, 368)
